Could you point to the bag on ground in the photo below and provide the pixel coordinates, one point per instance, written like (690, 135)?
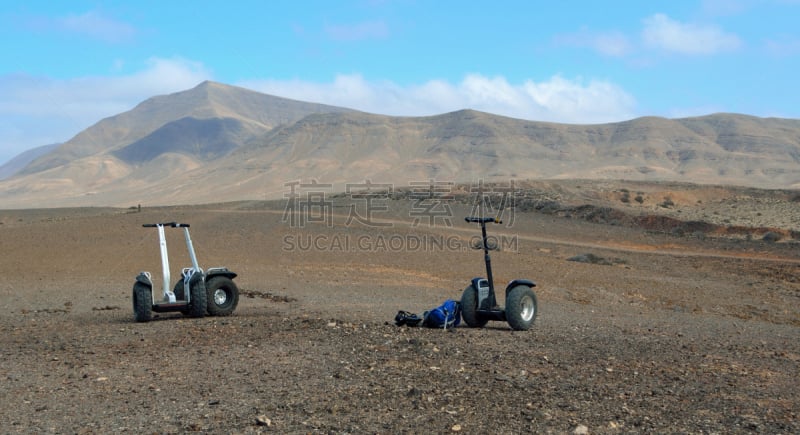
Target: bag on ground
(446, 315)
(407, 319)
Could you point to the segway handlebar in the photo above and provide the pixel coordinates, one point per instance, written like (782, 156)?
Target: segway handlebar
(482, 220)
(166, 224)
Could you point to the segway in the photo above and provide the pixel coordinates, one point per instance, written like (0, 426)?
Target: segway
(478, 302)
(212, 291)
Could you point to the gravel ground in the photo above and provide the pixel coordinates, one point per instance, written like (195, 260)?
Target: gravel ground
(670, 335)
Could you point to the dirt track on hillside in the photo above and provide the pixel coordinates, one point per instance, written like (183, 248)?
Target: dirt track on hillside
(678, 334)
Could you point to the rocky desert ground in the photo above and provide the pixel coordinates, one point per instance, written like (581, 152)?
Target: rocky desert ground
(663, 308)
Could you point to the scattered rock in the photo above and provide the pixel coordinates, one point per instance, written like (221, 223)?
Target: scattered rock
(266, 295)
(106, 308)
(263, 420)
(590, 259)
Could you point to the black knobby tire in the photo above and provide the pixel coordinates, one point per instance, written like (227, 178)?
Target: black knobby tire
(469, 308)
(521, 307)
(223, 296)
(197, 304)
(178, 290)
(181, 296)
(142, 302)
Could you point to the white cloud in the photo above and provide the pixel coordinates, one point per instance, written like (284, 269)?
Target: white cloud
(613, 43)
(563, 100)
(92, 24)
(95, 25)
(664, 33)
(785, 46)
(556, 100)
(45, 110)
(92, 98)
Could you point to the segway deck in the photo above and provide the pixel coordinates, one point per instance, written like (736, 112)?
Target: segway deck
(492, 314)
(170, 306)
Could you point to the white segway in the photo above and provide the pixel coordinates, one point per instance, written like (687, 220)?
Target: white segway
(479, 302)
(212, 291)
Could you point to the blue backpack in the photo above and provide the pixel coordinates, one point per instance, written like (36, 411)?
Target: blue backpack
(445, 316)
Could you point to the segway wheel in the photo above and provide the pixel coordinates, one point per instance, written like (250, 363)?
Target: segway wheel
(222, 295)
(521, 307)
(142, 302)
(469, 308)
(180, 295)
(178, 290)
(197, 305)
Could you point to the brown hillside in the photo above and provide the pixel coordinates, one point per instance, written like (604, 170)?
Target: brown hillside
(218, 142)
(207, 100)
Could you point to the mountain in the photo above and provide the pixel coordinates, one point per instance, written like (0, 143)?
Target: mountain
(255, 112)
(467, 145)
(21, 160)
(218, 143)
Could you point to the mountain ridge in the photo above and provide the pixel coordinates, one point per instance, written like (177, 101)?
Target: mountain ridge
(21, 160)
(217, 141)
(206, 100)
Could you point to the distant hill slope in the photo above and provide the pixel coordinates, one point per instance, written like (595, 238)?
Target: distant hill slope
(203, 138)
(208, 100)
(467, 145)
(217, 142)
(21, 160)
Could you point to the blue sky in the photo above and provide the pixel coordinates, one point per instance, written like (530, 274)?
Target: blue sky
(66, 65)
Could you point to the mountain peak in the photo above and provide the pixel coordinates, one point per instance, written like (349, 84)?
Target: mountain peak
(224, 141)
(209, 85)
(208, 100)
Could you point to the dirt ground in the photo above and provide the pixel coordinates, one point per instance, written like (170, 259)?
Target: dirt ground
(674, 332)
